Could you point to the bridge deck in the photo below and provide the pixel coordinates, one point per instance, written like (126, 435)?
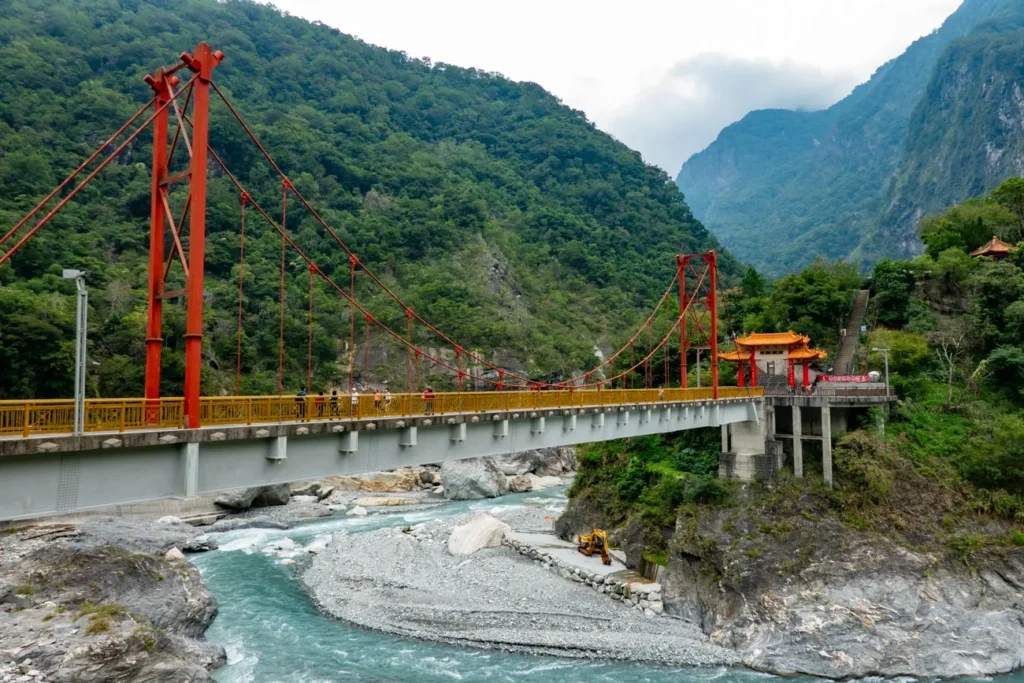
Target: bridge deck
(55, 417)
(62, 473)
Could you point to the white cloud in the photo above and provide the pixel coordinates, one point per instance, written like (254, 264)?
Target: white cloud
(684, 112)
(609, 58)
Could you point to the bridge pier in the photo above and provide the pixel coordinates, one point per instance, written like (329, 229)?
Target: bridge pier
(190, 466)
(744, 454)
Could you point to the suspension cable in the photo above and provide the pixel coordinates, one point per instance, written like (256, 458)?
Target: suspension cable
(366, 377)
(319, 271)
(408, 350)
(241, 283)
(309, 351)
(281, 296)
(75, 173)
(352, 262)
(113, 155)
(369, 273)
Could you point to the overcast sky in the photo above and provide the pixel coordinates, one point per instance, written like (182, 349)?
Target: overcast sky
(663, 76)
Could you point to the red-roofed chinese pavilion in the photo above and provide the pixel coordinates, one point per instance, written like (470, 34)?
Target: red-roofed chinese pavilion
(771, 352)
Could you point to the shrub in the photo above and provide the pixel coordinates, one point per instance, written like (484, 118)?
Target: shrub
(997, 462)
(695, 461)
(705, 489)
(860, 460)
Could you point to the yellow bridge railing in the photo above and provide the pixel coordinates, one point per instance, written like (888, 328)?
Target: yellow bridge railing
(25, 418)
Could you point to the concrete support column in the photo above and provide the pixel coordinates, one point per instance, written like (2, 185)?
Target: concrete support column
(746, 459)
(826, 443)
(725, 438)
(798, 444)
(840, 420)
(190, 462)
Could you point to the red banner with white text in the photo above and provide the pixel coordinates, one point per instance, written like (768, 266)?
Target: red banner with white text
(845, 379)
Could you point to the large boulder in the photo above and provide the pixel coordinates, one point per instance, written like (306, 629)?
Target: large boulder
(400, 480)
(541, 483)
(523, 462)
(276, 494)
(556, 462)
(481, 531)
(519, 484)
(550, 462)
(472, 479)
(254, 496)
(343, 483)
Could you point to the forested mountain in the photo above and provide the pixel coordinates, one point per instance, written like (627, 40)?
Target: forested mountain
(967, 132)
(501, 215)
(782, 187)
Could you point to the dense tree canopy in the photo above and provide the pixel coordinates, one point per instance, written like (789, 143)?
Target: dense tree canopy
(501, 215)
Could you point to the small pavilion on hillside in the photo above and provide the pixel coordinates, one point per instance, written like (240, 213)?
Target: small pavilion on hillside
(996, 249)
(769, 353)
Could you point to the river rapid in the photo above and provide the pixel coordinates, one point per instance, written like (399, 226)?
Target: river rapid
(272, 631)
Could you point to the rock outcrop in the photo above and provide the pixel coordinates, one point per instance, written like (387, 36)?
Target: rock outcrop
(481, 531)
(85, 608)
(520, 463)
(519, 484)
(254, 496)
(473, 478)
(541, 483)
(812, 596)
(545, 462)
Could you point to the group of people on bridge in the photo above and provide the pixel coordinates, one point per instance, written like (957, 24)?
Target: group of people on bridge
(330, 406)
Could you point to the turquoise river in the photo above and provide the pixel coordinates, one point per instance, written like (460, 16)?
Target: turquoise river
(273, 633)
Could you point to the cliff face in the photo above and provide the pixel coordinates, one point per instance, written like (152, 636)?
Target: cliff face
(780, 188)
(902, 569)
(796, 594)
(965, 135)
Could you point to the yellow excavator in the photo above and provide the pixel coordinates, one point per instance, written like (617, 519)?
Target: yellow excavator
(595, 542)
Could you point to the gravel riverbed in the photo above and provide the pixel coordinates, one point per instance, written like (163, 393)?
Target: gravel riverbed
(405, 583)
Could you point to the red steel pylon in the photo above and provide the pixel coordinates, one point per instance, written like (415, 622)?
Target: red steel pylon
(201, 62)
(696, 300)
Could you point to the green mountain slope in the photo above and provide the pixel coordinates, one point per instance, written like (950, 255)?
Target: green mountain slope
(966, 132)
(501, 215)
(780, 188)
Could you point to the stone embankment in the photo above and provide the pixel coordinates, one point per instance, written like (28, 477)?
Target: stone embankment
(644, 596)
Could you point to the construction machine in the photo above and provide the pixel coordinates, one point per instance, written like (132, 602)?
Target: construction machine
(595, 542)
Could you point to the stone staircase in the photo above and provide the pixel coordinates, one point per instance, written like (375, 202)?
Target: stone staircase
(848, 345)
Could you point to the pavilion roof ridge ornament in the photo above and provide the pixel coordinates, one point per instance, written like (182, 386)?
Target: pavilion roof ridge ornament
(994, 247)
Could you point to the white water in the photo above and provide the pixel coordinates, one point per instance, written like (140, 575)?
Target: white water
(272, 632)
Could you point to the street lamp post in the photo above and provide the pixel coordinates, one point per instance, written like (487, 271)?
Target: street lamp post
(885, 356)
(80, 338)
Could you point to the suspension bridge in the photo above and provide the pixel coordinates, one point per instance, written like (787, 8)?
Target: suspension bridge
(64, 455)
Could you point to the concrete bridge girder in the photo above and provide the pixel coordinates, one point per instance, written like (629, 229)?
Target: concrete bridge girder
(72, 474)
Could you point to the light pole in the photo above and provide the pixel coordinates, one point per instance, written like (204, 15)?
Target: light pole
(80, 336)
(885, 355)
